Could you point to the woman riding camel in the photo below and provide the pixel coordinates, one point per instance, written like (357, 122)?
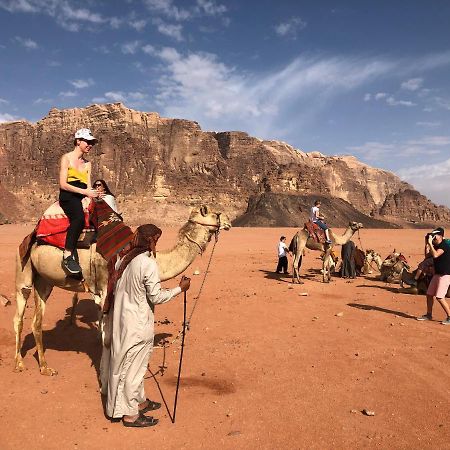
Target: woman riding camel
(75, 184)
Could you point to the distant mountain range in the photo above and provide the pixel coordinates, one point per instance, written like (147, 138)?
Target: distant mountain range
(157, 167)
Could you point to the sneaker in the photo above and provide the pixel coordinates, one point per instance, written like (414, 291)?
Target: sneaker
(71, 265)
(424, 317)
(446, 321)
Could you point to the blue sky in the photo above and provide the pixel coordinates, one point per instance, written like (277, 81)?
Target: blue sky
(366, 78)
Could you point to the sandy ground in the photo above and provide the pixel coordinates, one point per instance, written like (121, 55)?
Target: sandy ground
(264, 367)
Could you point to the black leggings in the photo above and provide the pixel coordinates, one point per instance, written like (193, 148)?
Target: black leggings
(71, 204)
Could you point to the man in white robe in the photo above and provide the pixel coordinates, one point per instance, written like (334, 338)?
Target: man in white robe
(130, 332)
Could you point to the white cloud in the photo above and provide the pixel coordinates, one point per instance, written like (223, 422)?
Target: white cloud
(138, 25)
(391, 101)
(426, 147)
(380, 95)
(432, 180)
(29, 44)
(171, 30)
(67, 94)
(429, 124)
(130, 48)
(41, 101)
(132, 99)
(211, 8)
(82, 84)
(290, 28)
(148, 49)
(367, 97)
(412, 84)
(64, 14)
(168, 9)
(3, 101)
(5, 117)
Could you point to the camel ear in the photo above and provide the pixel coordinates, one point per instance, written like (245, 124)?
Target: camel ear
(204, 210)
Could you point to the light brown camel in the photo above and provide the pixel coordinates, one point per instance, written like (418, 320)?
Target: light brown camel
(392, 268)
(302, 239)
(43, 272)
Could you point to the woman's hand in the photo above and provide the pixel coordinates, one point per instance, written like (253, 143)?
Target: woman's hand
(91, 193)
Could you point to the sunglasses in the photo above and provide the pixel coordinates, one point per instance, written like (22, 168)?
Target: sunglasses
(91, 143)
(98, 185)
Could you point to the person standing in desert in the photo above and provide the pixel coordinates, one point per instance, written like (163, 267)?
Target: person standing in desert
(439, 249)
(75, 184)
(133, 291)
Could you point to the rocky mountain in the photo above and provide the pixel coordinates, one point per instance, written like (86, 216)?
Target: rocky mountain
(158, 166)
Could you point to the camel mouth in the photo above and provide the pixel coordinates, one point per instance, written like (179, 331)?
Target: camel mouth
(225, 226)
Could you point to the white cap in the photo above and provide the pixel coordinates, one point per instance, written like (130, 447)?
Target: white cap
(84, 133)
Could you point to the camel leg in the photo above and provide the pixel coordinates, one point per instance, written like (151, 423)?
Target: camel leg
(326, 275)
(296, 264)
(42, 290)
(24, 286)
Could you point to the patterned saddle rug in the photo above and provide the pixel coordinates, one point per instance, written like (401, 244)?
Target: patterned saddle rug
(315, 232)
(101, 222)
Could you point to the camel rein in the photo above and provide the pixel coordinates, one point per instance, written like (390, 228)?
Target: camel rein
(182, 333)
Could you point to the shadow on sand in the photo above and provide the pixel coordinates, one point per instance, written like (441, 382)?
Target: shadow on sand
(385, 287)
(67, 337)
(378, 308)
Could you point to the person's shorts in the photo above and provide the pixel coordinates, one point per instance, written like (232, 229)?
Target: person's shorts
(321, 224)
(439, 285)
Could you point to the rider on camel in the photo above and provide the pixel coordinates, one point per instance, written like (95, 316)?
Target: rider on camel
(318, 219)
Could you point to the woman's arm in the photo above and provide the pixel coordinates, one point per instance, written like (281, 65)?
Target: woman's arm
(89, 181)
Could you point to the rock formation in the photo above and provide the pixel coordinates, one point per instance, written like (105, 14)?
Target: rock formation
(157, 166)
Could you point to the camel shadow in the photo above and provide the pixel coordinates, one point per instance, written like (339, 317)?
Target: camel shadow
(378, 308)
(67, 337)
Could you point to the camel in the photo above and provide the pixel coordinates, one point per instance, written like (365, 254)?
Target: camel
(43, 272)
(302, 239)
(392, 268)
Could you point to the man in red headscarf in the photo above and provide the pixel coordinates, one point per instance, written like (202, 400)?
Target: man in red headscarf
(133, 291)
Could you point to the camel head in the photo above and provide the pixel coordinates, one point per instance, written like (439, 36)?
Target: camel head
(355, 226)
(210, 218)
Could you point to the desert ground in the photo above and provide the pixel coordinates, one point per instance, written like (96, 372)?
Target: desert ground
(264, 367)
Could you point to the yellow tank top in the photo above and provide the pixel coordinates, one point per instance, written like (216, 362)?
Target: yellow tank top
(77, 175)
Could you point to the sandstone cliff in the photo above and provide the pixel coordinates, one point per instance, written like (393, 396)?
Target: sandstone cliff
(157, 166)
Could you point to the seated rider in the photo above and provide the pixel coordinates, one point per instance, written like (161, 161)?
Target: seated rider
(75, 184)
(318, 219)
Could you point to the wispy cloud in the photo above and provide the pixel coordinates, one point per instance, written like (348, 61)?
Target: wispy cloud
(426, 146)
(65, 15)
(3, 101)
(138, 25)
(5, 117)
(413, 84)
(130, 48)
(134, 99)
(67, 94)
(211, 8)
(29, 44)
(432, 180)
(391, 101)
(290, 28)
(429, 124)
(170, 30)
(168, 9)
(82, 84)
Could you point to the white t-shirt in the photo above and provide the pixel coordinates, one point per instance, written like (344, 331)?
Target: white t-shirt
(314, 214)
(282, 249)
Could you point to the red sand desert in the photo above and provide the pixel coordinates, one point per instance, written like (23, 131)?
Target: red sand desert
(264, 367)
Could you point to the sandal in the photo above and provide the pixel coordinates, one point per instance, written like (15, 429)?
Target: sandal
(150, 407)
(141, 421)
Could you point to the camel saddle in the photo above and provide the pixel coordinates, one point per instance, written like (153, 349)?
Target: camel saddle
(315, 232)
(102, 225)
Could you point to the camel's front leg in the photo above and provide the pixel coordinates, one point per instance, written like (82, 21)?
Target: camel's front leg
(326, 267)
(42, 290)
(296, 264)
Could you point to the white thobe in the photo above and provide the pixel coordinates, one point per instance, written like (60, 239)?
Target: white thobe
(129, 335)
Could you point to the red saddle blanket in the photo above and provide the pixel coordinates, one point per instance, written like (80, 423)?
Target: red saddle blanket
(112, 234)
(315, 232)
(53, 225)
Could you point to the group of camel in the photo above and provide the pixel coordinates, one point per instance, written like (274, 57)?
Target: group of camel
(42, 270)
